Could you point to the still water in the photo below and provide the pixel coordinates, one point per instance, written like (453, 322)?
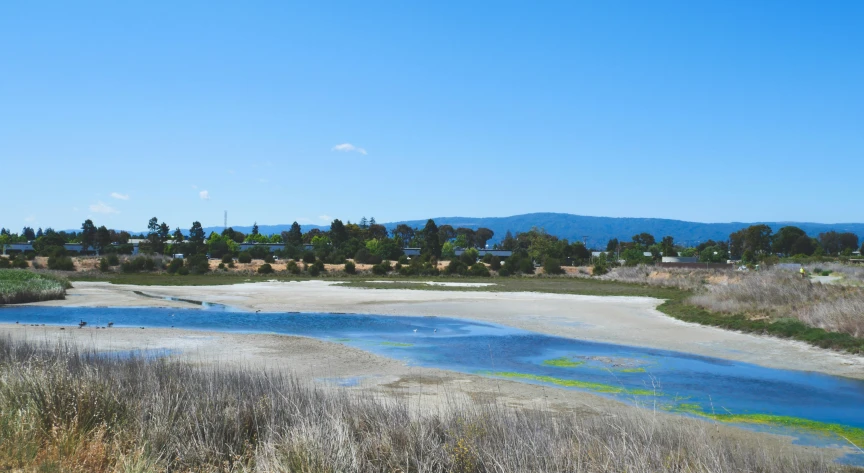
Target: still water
(814, 407)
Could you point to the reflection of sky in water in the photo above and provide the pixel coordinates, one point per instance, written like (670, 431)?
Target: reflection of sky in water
(713, 384)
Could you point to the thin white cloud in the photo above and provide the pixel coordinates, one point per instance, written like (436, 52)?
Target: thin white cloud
(205, 195)
(120, 196)
(325, 218)
(347, 148)
(30, 219)
(103, 208)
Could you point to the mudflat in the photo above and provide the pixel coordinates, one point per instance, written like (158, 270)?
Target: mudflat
(631, 321)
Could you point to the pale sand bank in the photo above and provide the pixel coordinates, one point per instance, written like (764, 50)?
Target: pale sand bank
(622, 320)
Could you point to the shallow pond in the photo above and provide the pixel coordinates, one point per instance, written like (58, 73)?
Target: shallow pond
(816, 408)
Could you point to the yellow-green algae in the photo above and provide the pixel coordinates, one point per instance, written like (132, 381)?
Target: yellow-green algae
(572, 383)
(629, 370)
(854, 435)
(563, 362)
(397, 344)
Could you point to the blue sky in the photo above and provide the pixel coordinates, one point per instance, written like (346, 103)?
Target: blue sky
(704, 111)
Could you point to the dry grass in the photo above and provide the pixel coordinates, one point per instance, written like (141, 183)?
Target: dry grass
(65, 410)
(685, 279)
(784, 294)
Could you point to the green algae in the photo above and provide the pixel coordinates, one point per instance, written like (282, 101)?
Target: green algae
(563, 362)
(629, 370)
(397, 344)
(853, 435)
(571, 383)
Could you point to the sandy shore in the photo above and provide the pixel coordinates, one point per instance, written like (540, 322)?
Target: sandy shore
(622, 320)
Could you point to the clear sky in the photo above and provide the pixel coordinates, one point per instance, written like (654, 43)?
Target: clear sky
(282, 111)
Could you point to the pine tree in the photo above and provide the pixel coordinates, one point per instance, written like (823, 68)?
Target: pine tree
(255, 229)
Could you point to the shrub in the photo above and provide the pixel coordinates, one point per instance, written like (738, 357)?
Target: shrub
(265, 269)
(552, 266)
(404, 259)
(382, 268)
(480, 270)
(4, 263)
(350, 267)
(244, 257)
(175, 265)
(308, 257)
(60, 263)
(229, 258)
(198, 264)
(600, 268)
(364, 257)
(21, 263)
(494, 263)
(292, 267)
(183, 271)
(222, 267)
(314, 270)
(113, 259)
(457, 267)
(268, 258)
(104, 266)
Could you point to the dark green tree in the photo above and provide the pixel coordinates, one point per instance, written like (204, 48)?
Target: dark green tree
(667, 246)
(28, 234)
(446, 233)
(178, 235)
(804, 245)
(254, 228)
(612, 246)
(88, 235)
(295, 236)
(196, 234)
(102, 239)
(785, 238)
(338, 234)
(644, 240)
(482, 236)
(431, 243)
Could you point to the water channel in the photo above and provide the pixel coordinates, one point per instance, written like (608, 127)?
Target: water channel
(817, 409)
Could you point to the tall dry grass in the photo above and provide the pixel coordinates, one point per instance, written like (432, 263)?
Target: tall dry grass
(66, 410)
(679, 278)
(782, 294)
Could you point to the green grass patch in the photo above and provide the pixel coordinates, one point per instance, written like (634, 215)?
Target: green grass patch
(563, 362)
(19, 286)
(853, 435)
(571, 383)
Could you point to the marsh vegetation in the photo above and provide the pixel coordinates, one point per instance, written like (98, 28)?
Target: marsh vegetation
(19, 286)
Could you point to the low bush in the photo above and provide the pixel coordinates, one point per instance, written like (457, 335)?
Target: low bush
(198, 264)
(292, 267)
(479, 270)
(350, 267)
(60, 263)
(494, 263)
(265, 269)
(104, 266)
(308, 257)
(113, 259)
(552, 266)
(5, 263)
(229, 258)
(382, 268)
(244, 257)
(175, 265)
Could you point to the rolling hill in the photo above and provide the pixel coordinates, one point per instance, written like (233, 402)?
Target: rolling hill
(597, 230)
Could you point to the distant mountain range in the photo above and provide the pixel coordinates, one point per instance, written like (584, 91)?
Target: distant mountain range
(597, 230)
